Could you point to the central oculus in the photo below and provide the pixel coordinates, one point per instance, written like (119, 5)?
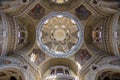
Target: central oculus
(59, 34)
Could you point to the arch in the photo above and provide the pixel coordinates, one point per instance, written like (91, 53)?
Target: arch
(110, 68)
(89, 35)
(31, 34)
(105, 65)
(12, 72)
(115, 34)
(59, 61)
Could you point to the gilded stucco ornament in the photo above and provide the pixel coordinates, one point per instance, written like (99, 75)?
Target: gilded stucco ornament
(60, 34)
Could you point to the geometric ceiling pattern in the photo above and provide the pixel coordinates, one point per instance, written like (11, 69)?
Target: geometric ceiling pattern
(59, 40)
(60, 34)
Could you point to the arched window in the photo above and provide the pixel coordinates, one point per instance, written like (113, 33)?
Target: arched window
(67, 72)
(22, 35)
(59, 71)
(52, 72)
(59, 1)
(97, 34)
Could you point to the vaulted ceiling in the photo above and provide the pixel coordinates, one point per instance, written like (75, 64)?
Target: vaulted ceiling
(40, 34)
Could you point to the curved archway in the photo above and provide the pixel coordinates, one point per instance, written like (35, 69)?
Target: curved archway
(115, 30)
(59, 61)
(108, 74)
(11, 73)
(27, 34)
(94, 35)
(107, 69)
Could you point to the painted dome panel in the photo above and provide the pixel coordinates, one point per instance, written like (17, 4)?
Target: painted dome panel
(60, 34)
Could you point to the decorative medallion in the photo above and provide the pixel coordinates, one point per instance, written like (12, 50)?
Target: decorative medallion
(37, 12)
(82, 56)
(37, 56)
(60, 34)
(82, 13)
